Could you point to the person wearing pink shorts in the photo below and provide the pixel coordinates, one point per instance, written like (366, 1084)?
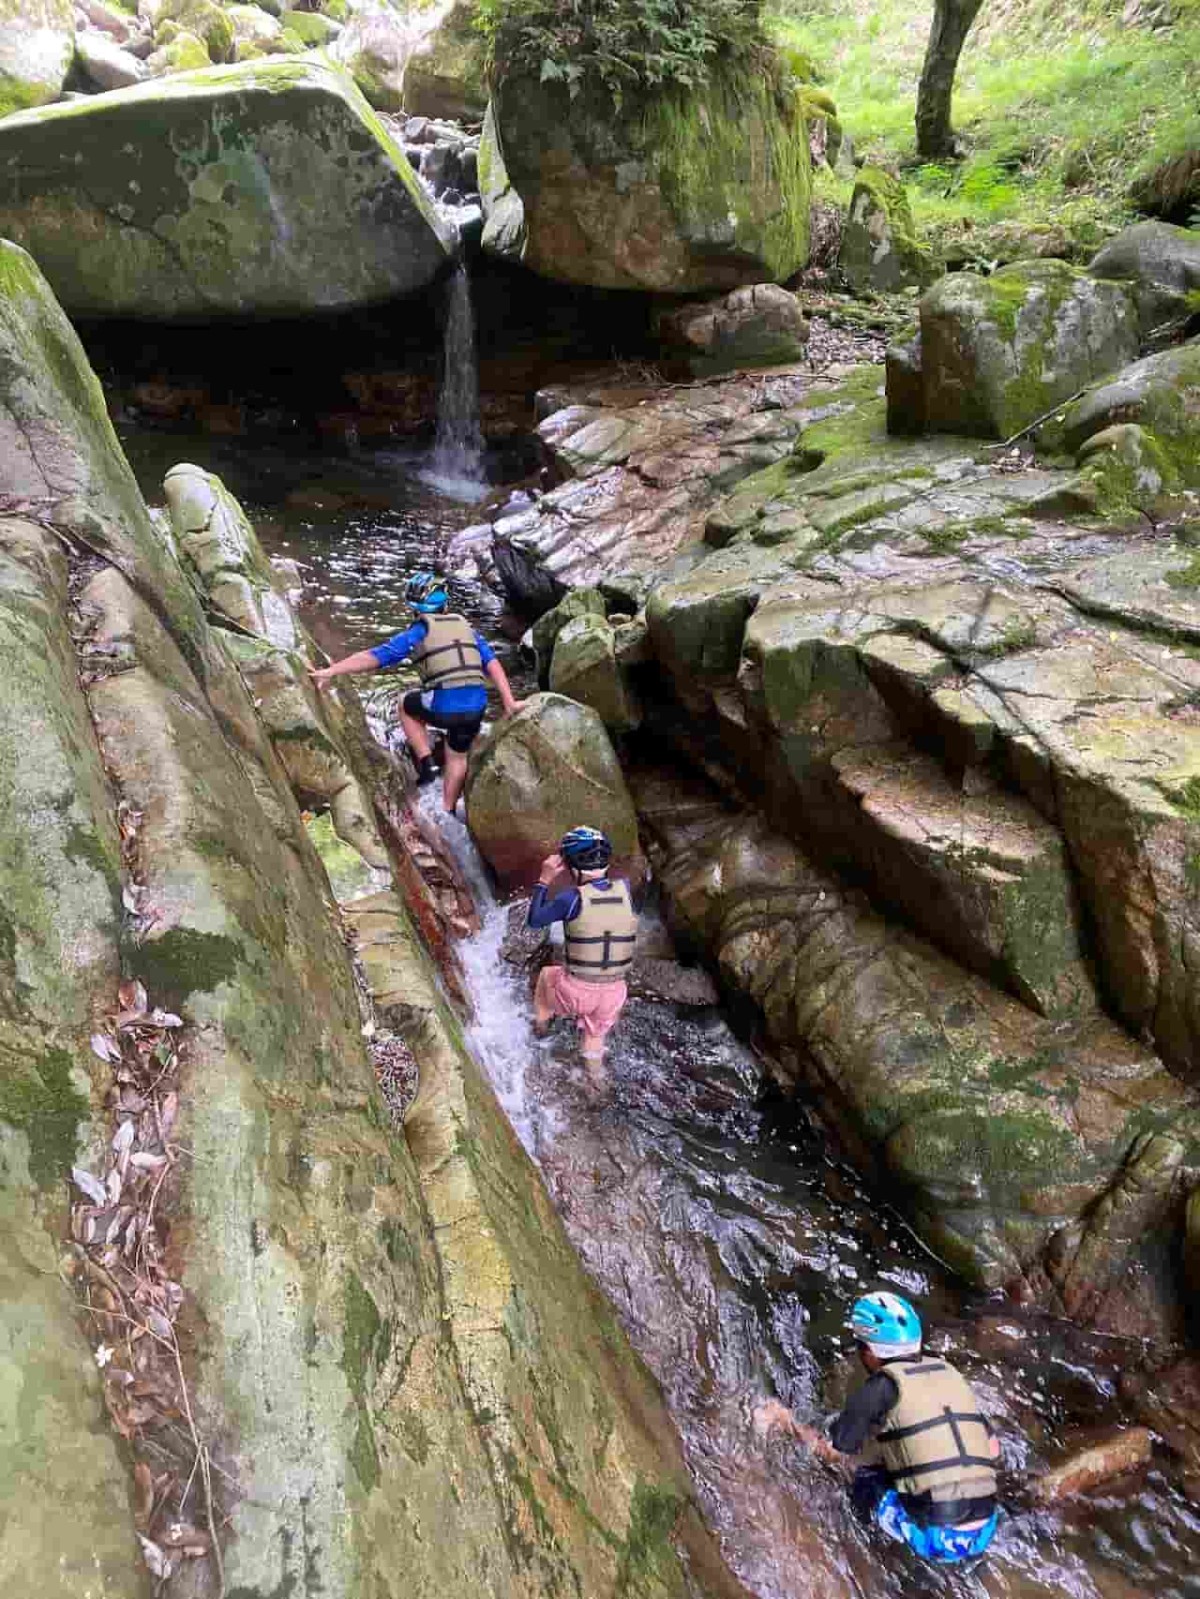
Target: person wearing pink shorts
(600, 927)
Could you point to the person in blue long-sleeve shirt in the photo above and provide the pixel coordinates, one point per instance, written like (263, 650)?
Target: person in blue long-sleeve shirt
(455, 664)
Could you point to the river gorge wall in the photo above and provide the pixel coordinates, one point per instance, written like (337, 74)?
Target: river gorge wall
(380, 1334)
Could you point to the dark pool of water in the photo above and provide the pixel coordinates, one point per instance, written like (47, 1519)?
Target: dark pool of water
(357, 525)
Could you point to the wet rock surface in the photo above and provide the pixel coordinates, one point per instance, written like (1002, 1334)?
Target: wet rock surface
(973, 704)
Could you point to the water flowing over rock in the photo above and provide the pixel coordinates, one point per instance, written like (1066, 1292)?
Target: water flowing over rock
(706, 190)
(458, 442)
(37, 41)
(380, 1330)
(264, 188)
(549, 768)
(997, 353)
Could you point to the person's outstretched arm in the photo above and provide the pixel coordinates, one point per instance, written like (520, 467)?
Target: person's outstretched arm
(363, 661)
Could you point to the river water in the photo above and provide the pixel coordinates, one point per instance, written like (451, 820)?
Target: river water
(719, 1222)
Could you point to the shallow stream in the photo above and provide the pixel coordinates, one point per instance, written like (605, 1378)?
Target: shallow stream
(723, 1228)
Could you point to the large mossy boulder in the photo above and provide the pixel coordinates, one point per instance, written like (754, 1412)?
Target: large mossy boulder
(549, 768)
(445, 75)
(881, 251)
(1160, 396)
(700, 189)
(996, 353)
(268, 188)
(1161, 263)
(37, 44)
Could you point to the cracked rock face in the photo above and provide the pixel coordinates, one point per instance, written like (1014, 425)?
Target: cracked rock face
(262, 188)
(956, 865)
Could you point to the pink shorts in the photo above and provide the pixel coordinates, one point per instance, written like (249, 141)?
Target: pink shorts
(595, 1006)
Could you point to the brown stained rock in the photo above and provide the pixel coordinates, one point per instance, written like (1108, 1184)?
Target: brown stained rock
(1089, 1464)
(755, 326)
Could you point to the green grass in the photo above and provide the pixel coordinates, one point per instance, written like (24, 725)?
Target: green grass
(1059, 108)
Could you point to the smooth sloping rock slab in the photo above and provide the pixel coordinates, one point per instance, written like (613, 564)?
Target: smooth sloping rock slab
(1137, 586)
(643, 469)
(269, 187)
(65, 1521)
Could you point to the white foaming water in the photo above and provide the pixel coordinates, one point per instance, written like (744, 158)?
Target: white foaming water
(500, 1033)
(456, 465)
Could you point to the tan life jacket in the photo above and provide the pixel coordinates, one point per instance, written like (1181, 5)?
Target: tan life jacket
(601, 940)
(935, 1439)
(448, 656)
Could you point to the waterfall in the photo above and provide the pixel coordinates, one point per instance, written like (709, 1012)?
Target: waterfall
(456, 466)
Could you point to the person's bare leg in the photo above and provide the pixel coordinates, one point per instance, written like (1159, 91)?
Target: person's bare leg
(414, 732)
(593, 1065)
(543, 1014)
(454, 778)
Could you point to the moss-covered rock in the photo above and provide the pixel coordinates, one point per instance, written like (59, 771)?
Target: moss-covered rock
(446, 74)
(997, 353)
(268, 187)
(374, 48)
(503, 209)
(206, 21)
(881, 251)
(1000, 1130)
(182, 52)
(1162, 265)
(37, 44)
(1159, 394)
(579, 602)
(65, 1521)
(585, 668)
(253, 25)
(549, 768)
(311, 28)
(704, 189)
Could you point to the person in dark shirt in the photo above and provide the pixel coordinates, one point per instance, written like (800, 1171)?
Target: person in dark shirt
(933, 1486)
(455, 664)
(600, 929)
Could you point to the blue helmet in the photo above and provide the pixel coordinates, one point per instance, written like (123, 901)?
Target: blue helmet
(585, 848)
(426, 592)
(887, 1324)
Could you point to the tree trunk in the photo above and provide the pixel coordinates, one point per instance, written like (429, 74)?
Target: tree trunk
(952, 21)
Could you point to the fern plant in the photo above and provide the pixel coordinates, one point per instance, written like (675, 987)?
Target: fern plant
(622, 46)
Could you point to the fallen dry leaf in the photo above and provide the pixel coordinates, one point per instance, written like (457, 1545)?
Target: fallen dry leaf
(154, 1557)
(143, 1505)
(106, 1048)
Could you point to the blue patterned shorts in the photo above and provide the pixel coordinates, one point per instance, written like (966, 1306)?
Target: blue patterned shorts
(943, 1545)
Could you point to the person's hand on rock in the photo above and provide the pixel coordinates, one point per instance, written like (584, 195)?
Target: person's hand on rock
(551, 866)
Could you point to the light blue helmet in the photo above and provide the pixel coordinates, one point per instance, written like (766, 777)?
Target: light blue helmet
(887, 1324)
(426, 593)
